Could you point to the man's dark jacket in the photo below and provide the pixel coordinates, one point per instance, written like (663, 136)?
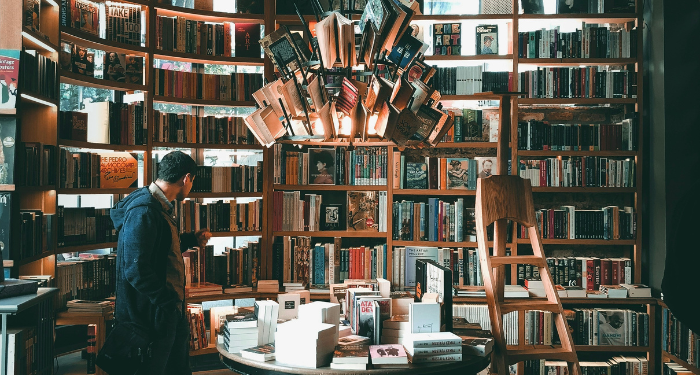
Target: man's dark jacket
(145, 240)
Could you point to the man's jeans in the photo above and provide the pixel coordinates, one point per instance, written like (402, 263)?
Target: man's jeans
(171, 354)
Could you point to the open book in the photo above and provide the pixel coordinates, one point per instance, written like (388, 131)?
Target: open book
(336, 41)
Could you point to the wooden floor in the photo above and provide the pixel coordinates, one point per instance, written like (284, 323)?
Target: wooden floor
(71, 364)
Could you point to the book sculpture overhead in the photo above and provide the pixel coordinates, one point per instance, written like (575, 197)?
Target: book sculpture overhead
(317, 95)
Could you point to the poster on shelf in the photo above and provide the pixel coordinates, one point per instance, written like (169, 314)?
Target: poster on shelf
(118, 170)
(9, 80)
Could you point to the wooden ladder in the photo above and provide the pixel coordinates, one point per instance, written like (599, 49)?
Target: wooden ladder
(500, 198)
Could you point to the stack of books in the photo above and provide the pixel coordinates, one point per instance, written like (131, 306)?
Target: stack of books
(388, 356)
(288, 287)
(433, 347)
(322, 312)
(350, 357)
(395, 328)
(266, 312)
(260, 353)
(240, 332)
(268, 286)
(82, 306)
(305, 344)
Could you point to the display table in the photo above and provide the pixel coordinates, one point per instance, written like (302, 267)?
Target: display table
(470, 365)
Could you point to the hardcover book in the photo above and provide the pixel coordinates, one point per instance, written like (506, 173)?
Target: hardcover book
(85, 15)
(134, 69)
(413, 253)
(363, 211)
(457, 173)
(355, 353)
(246, 38)
(573, 6)
(241, 319)
(487, 40)
(447, 39)
(9, 80)
(486, 166)
(8, 131)
(322, 166)
(332, 216)
(387, 354)
(416, 175)
(83, 61)
(611, 327)
(114, 66)
(432, 277)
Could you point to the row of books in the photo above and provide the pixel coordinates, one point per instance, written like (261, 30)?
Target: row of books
(469, 80)
(440, 173)
(36, 234)
(191, 85)
(678, 340)
(107, 123)
(590, 41)
(530, 7)
(577, 82)
(86, 277)
(116, 66)
(39, 164)
(600, 327)
(179, 34)
(331, 166)
(213, 179)
(617, 365)
(608, 223)
(472, 125)
(436, 220)
(38, 74)
(184, 128)
(198, 333)
(538, 135)
(234, 266)
(84, 225)
(479, 314)
(79, 169)
(365, 212)
(587, 272)
(585, 171)
(220, 216)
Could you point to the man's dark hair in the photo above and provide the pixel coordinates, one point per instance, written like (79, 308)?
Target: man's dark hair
(176, 165)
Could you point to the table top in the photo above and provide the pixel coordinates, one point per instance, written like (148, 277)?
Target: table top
(16, 304)
(469, 365)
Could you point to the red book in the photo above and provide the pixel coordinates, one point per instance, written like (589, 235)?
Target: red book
(247, 37)
(615, 276)
(540, 333)
(597, 273)
(590, 274)
(361, 269)
(606, 272)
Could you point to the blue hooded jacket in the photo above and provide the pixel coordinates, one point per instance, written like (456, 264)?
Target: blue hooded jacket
(145, 240)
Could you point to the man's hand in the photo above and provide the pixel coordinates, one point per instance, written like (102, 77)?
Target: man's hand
(203, 236)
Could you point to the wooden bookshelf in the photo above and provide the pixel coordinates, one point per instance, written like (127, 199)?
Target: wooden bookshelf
(94, 191)
(236, 234)
(30, 38)
(467, 58)
(435, 192)
(668, 357)
(30, 98)
(461, 17)
(206, 15)
(211, 349)
(331, 187)
(201, 102)
(206, 59)
(552, 241)
(332, 233)
(586, 190)
(226, 195)
(81, 80)
(577, 62)
(597, 18)
(88, 40)
(548, 153)
(582, 101)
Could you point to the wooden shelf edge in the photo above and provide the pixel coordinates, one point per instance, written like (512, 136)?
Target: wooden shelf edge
(26, 96)
(212, 146)
(467, 145)
(201, 102)
(188, 57)
(467, 58)
(331, 187)
(207, 15)
(81, 144)
(341, 233)
(571, 300)
(225, 195)
(94, 191)
(81, 80)
(681, 362)
(88, 247)
(28, 34)
(85, 39)
(455, 192)
(236, 234)
(34, 258)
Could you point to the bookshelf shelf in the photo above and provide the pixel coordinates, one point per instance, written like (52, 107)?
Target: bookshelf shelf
(31, 259)
(461, 17)
(577, 62)
(30, 38)
(546, 153)
(332, 233)
(210, 146)
(572, 301)
(556, 101)
(584, 190)
(226, 195)
(81, 80)
(681, 362)
(441, 243)
(330, 143)
(79, 248)
(206, 15)
(100, 146)
(431, 192)
(8, 187)
(598, 18)
(201, 102)
(589, 348)
(94, 191)
(42, 188)
(88, 40)
(332, 187)
(188, 57)
(467, 97)
(30, 98)
(551, 241)
(236, 234)
(468, 58)
(467, 145)
(231, 295)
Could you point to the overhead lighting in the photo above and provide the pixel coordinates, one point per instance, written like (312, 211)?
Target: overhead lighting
(37, 41)
(37, 100)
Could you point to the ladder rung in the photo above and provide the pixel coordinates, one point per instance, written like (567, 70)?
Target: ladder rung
(527, 304)
(515, 356)
(518, 259)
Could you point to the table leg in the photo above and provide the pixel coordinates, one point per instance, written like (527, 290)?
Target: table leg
(3, 355)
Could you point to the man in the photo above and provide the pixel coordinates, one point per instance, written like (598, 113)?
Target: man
(150, 268)
(486, 48)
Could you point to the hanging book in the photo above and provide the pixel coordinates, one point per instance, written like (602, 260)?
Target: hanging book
(487, 40)
(9, 76)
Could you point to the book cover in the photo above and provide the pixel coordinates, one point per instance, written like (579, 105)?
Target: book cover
(424, 317)
(332, 217)
(246, 38)
(81, 61)
(487, 40)
(413, 253)
(322, 166)
(611, 327)
(250, 6)
(118, 170)
(114, 66)
(486, 166)
(572, 6)
(363, 211)
(387, 354)
(134, 69)
(31, 14)
(260, 353)
(85, 16)
(532, 6)
(9, 80)
(353, 340)
(241, 319)
(8, 132)
(416, 175)
(353, 353)
(457, 173)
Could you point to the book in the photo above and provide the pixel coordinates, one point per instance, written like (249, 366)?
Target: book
(435, 358)
(437, 350)
(322, 166)
(436, 339)
(123, 23)
(487, 40)
(289, 305)
(414, 253)
(241, 320)
(9, 80)
(458, 173)
(611, 327)
(637, 290)
(447, 39)
(260, 353)
(363, 211)
(333, 217)
(83, 61)
(486, 166)
(134, 69)
(352, 340)
(478, 346)
(114, 66)
(32, 14)
(387, 355)
(351, 354)
(246, 39)
(85, 16)
(424, 317)
(416, 176)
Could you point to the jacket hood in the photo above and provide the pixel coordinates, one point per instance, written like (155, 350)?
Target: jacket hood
(140, 197)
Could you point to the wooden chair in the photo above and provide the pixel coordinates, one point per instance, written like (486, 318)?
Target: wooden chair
(500, 198)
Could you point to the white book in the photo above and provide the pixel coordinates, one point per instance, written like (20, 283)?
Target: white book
(424, 317)
(288, 305)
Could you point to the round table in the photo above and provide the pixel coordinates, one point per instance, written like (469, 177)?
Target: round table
(470, 365)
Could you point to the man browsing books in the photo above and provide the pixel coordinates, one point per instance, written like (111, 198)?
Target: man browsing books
(150, 268)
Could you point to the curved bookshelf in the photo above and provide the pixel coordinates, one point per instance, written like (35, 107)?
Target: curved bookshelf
(81, 80)
(332, 233)
(548, 153)
(468, 58)
(462, 17)
(236, 234)
(438, 192)
(188, 57)
(597, 18)
(557, 101)
(207, 15)
(95, 42)
(79, 248)
(29, 41)
(201, 102)
(101, 146)
(211, 146)
(331, 187)
(559, 189)
(577, 62)
(225, 195)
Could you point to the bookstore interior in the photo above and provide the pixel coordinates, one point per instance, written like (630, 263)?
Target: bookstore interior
(456, 187)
